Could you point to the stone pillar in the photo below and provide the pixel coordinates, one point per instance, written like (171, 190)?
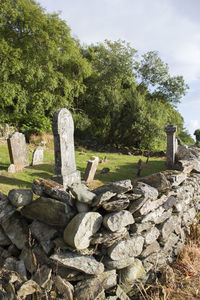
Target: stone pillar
(91, 169)
(171, 145)
(65, 165)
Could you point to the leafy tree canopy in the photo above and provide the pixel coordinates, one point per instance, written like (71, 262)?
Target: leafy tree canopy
(41, 65)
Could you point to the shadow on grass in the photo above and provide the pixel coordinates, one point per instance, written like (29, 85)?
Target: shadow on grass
(126, 171)
(4, 167)
(14, 181)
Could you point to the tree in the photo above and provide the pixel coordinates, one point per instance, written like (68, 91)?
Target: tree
(154, 73)
(41, 65)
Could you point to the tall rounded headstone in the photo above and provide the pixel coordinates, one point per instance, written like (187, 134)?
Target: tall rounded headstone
(65, 165)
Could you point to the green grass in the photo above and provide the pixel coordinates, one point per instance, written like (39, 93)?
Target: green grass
(121, 167)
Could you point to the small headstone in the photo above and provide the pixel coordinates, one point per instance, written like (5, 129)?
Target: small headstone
(65, 165)
(91, 169)
(18, 151)
(38, 156)
(11, 169)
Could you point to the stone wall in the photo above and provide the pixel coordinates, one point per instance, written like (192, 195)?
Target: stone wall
(82, 244)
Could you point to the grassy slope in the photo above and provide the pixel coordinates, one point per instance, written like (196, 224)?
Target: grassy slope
(121, 167)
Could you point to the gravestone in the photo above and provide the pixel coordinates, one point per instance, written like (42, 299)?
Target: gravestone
(18, 151)
(171, 145)
(65, 165)
(38, 156)
(91, 169)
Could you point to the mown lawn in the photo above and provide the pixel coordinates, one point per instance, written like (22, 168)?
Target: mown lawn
(121, 167)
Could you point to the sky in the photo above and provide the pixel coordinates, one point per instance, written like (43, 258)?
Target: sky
(171, 27)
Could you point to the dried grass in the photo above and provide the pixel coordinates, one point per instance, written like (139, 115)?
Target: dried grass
(181, 281)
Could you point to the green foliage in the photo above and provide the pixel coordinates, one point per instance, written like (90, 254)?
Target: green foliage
(112, 93)
(41, 65)
(154, 73)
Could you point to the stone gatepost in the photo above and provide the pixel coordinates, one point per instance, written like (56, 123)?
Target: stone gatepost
(65, 165)
(171, 145)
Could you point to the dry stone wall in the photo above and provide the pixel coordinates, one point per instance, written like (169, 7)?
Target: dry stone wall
(81, 244)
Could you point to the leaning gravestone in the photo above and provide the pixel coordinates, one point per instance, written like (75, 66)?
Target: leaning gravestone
(38, 155)
(18, 151)
(91, 169)
(65, 165)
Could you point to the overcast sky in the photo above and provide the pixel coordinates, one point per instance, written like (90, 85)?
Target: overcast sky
(171, 27)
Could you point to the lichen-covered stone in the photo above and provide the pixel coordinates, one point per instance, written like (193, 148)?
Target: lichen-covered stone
(20, 197)
(118, 264)
(86, 264)
(116, 205)
(126, 248)
(80, 229)
(82, 193)
(118, 187)
(16, 229)
(53, 189)
(49, 211)
(133, 272)
(117, 220)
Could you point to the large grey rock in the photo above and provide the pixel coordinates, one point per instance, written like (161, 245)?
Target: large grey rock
(20, 197)
(92, 288)
(49, 211)
(154, 247)
(118, 187)
(89, 290)
(152, 235)
(6, 209)
(4, 240)
(65, 165)
(43, 276)
(116, 205)
(145, 190)
(44, 234)
(140, 227)
(158, 216)
(28, 288)
(85, 264)
(117, 220)
(108, 238)
(16, 228)
(53, 189)
(118, 264)
(102, 198)
(158, 181)
(151, 205)
(82, 193)
(169, 226)
(64, 287)
(171, 242)
(126, 248)
(133, 272)
(121, 293)
(80, 229)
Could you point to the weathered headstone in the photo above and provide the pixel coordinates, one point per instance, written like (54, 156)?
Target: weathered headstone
(65, 165)
(171, 145)
(91, 169)
(38, 156)
(18, 151)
